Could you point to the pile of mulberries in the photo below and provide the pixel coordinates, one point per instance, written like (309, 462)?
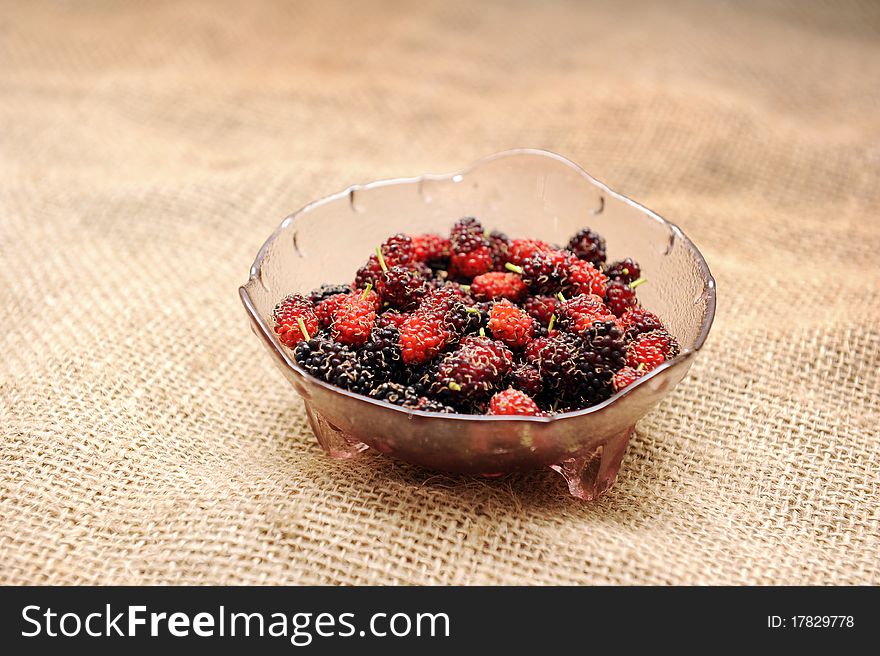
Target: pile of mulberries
(480, 323)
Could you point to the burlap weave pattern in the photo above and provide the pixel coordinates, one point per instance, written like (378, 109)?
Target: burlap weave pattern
(148, 149)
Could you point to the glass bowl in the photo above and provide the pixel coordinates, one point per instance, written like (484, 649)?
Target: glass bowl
(525, 193)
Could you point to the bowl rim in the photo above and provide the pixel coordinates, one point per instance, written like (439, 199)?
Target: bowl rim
(268, 335)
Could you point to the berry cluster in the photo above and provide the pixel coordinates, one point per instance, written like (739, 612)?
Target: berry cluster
(479, 323)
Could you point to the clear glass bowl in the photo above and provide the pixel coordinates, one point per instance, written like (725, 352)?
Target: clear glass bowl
(525, 193)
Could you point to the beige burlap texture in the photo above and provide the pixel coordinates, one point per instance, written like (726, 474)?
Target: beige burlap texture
(147, 150)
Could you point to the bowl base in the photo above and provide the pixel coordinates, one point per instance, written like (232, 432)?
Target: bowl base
(591, 473)
(588, 474)
(336, 442)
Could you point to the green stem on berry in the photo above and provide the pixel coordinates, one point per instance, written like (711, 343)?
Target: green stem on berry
(641, 366)
(636, 283)
(455, 387)
(560, 297)
(512, 267)
(367, 291)
(465, 288)
(473, 311)
(303, 329)
(552, 323)
(482, 332)
(381, 259)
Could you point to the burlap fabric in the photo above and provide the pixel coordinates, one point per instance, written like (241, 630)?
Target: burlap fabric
(149, 148)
